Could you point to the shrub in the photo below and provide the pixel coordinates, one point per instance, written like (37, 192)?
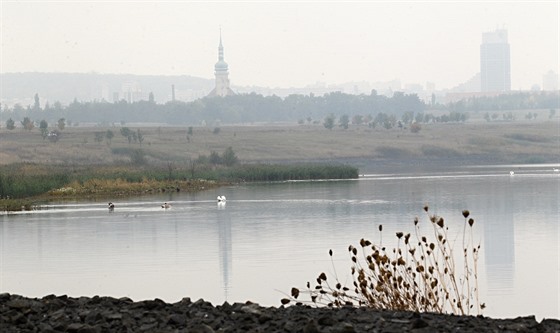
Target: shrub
(418, 275)
(415, 128)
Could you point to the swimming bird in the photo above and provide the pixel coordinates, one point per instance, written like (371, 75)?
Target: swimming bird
(556, 170)
(166, 205)
(221, 198)
(511, 173)
(111, 206)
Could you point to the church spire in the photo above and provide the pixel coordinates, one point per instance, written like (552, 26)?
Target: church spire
(221, 48)
(221, 72)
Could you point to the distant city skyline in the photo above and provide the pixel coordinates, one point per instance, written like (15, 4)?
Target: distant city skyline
(282, 44)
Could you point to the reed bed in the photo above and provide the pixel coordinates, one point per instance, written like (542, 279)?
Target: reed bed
(25, 181)
(420, 274)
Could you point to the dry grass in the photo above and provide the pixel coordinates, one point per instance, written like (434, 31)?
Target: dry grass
(289, 142)
(420, 274)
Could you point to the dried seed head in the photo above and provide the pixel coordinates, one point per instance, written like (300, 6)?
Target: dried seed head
(426, 208)
(295, 292)
(323, 276)
(380, 227)
(440, 222)
(416, 220)
(399, 235)
(284, 301)
(471, 222)
(466, 213)
(330, 253)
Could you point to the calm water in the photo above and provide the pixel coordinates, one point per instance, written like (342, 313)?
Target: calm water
(270, 237)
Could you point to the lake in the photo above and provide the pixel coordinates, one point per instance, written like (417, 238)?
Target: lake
(269, 237)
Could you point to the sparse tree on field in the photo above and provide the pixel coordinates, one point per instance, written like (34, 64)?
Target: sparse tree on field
(10, 124)
(190, 130)
(329, 122)
(343, 121)
(127, 133)
(551, 113)
(44, 127)
(98, 137)
(61, 124)
(109, 136)
(140, 136)
(27, 124)
(229, 158)
(36, 104)
(215, 158)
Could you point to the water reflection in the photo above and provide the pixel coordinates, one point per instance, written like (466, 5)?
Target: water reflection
(224, 245)
(498, 212)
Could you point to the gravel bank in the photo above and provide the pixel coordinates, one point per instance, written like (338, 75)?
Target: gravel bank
(106, 314)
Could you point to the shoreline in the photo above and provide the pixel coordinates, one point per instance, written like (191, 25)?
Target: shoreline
(101, 314)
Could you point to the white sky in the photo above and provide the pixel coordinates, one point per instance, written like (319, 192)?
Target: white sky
(280, 44)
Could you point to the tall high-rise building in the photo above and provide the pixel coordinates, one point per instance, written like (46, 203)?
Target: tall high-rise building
(495, 72)
(221, 72)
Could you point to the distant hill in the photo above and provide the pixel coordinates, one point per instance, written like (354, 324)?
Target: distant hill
(65, 87)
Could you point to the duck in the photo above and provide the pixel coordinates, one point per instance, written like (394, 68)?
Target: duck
(221, 198)
(166, 205)
(111, 206)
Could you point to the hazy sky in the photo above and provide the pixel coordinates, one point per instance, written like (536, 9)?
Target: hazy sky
(280, 44)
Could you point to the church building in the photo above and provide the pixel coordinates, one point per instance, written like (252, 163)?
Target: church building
(221, 71)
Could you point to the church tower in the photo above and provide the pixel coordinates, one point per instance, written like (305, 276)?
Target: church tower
(221, 71)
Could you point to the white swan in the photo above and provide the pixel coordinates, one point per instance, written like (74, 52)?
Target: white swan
(511, 173)
(221, 198)
(556, 170)
(166, 205)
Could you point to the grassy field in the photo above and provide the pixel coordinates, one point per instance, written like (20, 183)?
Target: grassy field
(521, 141)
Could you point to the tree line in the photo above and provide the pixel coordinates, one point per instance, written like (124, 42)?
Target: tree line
(213, 111)
(372, 109)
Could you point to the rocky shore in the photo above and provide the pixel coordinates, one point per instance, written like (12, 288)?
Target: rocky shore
(106, 314)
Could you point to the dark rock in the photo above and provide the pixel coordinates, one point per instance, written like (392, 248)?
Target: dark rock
(311, 327)
(106, 314)
(177, 319)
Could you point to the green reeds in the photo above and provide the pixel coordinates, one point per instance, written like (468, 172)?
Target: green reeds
(26, 180)
(418, 275)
